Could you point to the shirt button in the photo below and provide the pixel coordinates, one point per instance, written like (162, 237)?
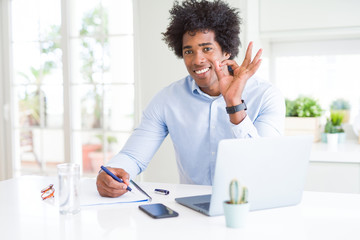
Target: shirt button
(213, 153)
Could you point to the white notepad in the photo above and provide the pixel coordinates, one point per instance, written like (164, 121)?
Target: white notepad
(89, 196)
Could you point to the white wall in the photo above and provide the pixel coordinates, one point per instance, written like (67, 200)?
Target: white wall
(156, 67)
(281, 20)
(294, 15)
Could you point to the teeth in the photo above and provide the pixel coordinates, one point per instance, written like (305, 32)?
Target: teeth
(202, 71)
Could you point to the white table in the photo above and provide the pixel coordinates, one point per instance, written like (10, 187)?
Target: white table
(24, 215)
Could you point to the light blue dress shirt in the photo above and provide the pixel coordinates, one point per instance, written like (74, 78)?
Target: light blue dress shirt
(196, 123)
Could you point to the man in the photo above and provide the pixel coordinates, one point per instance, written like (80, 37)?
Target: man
(218, 100)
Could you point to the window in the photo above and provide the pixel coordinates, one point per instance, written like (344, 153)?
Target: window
(93, 94)
(326, 70)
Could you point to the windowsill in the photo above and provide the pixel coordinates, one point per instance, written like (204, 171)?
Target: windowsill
(347, 152)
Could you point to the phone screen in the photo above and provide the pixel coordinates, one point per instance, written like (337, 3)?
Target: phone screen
(158, 210)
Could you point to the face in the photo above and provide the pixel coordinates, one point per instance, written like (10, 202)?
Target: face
(200, 50)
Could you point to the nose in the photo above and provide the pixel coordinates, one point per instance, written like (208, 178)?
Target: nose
(199, 58)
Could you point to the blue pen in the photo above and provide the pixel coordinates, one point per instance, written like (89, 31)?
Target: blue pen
(114, 177)
(162, 191)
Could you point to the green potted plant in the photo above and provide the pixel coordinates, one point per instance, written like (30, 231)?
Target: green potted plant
(237, 208)
(333, 130)
(343, 106)
(303, 117)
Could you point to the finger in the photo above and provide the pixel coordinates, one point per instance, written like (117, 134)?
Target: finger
(230, 63)
(105, 192)
(247, 59)
(111, 188)
(121, 173)
(111, 183)
(257, 65)
(126, 181)
(257, 56)
(115, 185)
(218, 70)
(116, 191)
(254, 67)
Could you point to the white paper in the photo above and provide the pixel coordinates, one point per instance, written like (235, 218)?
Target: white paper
(89, 195)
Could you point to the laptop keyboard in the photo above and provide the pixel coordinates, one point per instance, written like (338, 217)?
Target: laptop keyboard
(205, 205)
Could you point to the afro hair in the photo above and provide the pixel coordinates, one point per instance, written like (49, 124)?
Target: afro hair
(193, 15)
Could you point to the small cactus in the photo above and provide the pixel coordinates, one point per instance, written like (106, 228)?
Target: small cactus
(237, 197)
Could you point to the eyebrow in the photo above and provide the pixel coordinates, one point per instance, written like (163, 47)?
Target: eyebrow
(200, 45)
(205, 44)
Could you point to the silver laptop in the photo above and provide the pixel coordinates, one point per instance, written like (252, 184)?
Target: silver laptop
(274, 170)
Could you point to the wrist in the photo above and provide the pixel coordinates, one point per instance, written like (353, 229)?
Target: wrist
(233, 102)
(237, 117)
(236, 108)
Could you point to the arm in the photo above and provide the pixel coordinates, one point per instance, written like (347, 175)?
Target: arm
(137, 152)
(270, 109)
(267, 120)
(232, 87)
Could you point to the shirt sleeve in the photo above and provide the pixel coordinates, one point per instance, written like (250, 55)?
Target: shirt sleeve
(269, 121)
(143, 143)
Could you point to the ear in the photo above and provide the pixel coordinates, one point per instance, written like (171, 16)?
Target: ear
(227, 55)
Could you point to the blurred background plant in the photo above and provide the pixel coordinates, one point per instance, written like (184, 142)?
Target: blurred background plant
(110, 140)
(343, 106)
(303, 106)
(32, 104)
(340, 104)
(94, 49)
(334, 123)
(33, 101)
(94, 24)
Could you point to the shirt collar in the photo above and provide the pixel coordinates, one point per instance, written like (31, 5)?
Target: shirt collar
(197, 91)
(194, 87)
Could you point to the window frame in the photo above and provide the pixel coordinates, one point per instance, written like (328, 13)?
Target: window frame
(6, 123)
(8, 166)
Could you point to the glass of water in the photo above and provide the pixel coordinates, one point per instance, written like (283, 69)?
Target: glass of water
(69, 188)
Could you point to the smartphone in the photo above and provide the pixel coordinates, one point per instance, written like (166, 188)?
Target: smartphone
(158, 210)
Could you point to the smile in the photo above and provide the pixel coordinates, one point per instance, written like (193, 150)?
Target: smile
(202, 71)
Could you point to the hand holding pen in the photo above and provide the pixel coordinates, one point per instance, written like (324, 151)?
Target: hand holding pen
(108, 186)
(115, 177)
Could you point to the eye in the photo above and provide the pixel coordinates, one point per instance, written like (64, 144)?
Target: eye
(207, 49)
(187, 52)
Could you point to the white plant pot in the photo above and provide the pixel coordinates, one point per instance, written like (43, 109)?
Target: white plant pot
(236, 214)
(332, 140)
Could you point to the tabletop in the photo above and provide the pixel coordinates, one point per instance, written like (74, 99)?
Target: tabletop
(24, 215)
